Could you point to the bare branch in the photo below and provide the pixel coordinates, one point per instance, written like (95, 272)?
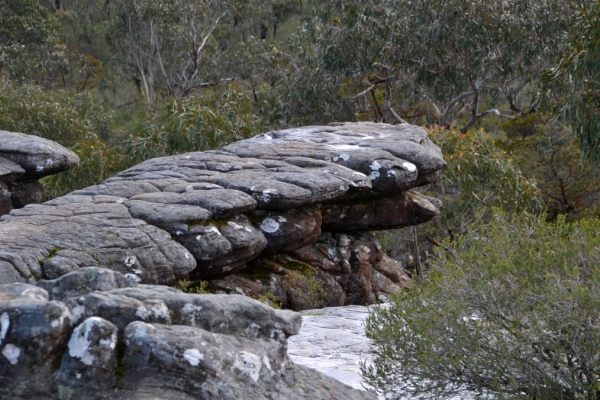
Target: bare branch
(453, 103)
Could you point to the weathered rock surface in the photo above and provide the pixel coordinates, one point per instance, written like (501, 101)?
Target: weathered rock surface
(336, 270)
(23, 160)
(280, 217)
(205, 215)
(130, 342)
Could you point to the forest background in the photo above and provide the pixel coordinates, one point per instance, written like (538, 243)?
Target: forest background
(508, 89)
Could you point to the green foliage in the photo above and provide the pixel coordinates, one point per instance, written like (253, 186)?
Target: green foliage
(479, 175)
(270, 299)
(510, 311)
(73, 120)
(307, 287)
(187, 286)
(442, 56)
(574, 83)
(30, 48)
(199, 123)
(546, 152)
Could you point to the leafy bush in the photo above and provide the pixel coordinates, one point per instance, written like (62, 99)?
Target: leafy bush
(511, 310)
(74, 120)
(196, 124)
(479, 175)
(553, 158)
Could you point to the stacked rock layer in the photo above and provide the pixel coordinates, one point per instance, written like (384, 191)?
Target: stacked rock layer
(206, 214)
(286, 214)
(23, 160)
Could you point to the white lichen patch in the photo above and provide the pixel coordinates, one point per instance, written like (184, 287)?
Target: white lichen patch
(77, 313)
(130, 261)
(141, 332)
(49, 162)
(79, 344)
(238, 227)
(281, 219)
(252, 329)
(345, 147)
(39, 168)
(212, 228)
(374, 175)
(249, 364)
(375, 166)
(141, 313)
(191, 312)
(59, 321)
(410, 167)
(267, 363)
(161, 311)
(269, 225)
(193, 356)
(391, 174)
(345, 157)
(4, 324)
(12, 353)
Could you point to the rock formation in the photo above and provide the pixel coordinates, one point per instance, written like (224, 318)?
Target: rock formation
(205, 215)
(23, 160)
(95, 334)
(285, 215)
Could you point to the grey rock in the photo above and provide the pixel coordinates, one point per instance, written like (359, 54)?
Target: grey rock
(84, 281)
(37, 156)
(288, 230)
(119, 309)
(255, 368)
(33, 334)
(89, 362)
(5, 200)
(219, 313)
(382, 286)
(190, 214)
(393, 271)
(26, 192)
(395, 157)
(84, 231)
(382, 213)
(10, 170)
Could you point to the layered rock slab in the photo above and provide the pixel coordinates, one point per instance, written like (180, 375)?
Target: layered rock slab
(204, 215)
(109, 344)
(23, 160)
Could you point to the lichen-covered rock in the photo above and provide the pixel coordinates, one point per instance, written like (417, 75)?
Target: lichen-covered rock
(23, 160)
(131, 343)
(336, 270)
(205, 215)
(36, 156)
(86, 280)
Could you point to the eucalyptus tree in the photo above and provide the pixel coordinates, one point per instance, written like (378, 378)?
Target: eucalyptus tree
(173, 48)
(574, 84)
(447, 58)
(30, 43)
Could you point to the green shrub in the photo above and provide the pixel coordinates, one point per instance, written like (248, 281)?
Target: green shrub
(511, 311)
(479, 175)
(199, 123)
(75, 120)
